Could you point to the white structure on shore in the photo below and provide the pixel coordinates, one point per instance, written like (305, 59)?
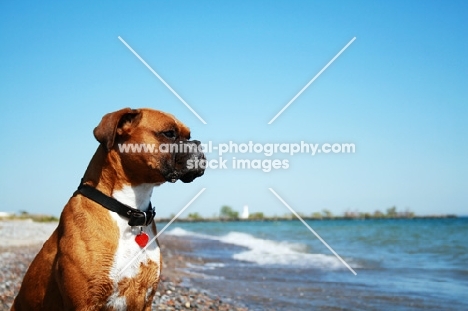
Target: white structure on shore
(5, 214)
(245, 213)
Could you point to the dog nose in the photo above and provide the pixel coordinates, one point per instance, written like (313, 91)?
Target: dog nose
(199, 151)
(190, 162)
(197, 155)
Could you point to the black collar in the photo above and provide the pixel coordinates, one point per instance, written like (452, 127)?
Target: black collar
(135, 216)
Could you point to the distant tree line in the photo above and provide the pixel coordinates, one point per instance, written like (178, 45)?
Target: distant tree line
(24, 215)
(391, 212)
(227, 213)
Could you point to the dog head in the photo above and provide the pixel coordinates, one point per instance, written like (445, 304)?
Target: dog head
(152, 146)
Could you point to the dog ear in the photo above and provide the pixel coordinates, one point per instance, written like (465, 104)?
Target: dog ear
(115, 123)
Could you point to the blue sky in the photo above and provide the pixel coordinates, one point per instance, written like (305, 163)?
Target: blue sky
(398, 93)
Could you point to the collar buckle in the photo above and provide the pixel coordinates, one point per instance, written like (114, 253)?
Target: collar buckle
(141, 218)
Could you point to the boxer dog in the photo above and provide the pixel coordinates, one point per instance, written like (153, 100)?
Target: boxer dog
(87, 264)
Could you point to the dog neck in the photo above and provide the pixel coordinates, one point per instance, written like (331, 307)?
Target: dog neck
(135, 196)
(104, 172)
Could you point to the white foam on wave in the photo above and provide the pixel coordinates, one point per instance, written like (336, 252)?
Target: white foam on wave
(198, 270)
(269, 252)
(177, 232)
(182, 232)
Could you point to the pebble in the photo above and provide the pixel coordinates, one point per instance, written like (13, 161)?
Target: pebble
(182, 297)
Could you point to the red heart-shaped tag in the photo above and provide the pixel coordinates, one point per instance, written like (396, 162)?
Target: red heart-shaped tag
(142, 239)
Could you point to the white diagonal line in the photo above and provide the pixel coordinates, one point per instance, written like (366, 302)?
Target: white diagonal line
(313, 79)
(163, 229)
(162, 80)
(313, 231)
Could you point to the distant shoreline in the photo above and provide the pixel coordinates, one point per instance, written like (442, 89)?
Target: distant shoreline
(270, 219)
(47, 218)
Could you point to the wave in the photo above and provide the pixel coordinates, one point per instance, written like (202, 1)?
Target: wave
(198, 270)
(268, 252)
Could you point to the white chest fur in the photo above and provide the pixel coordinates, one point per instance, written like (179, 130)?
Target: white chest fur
(127, 250)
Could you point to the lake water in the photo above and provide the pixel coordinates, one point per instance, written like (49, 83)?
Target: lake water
(418, 264)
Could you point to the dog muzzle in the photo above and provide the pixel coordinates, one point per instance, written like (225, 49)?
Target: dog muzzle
(189, 162)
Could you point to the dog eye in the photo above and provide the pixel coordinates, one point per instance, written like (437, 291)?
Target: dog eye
(169, 134)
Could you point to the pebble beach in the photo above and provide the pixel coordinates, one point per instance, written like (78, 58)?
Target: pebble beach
(20, 241)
